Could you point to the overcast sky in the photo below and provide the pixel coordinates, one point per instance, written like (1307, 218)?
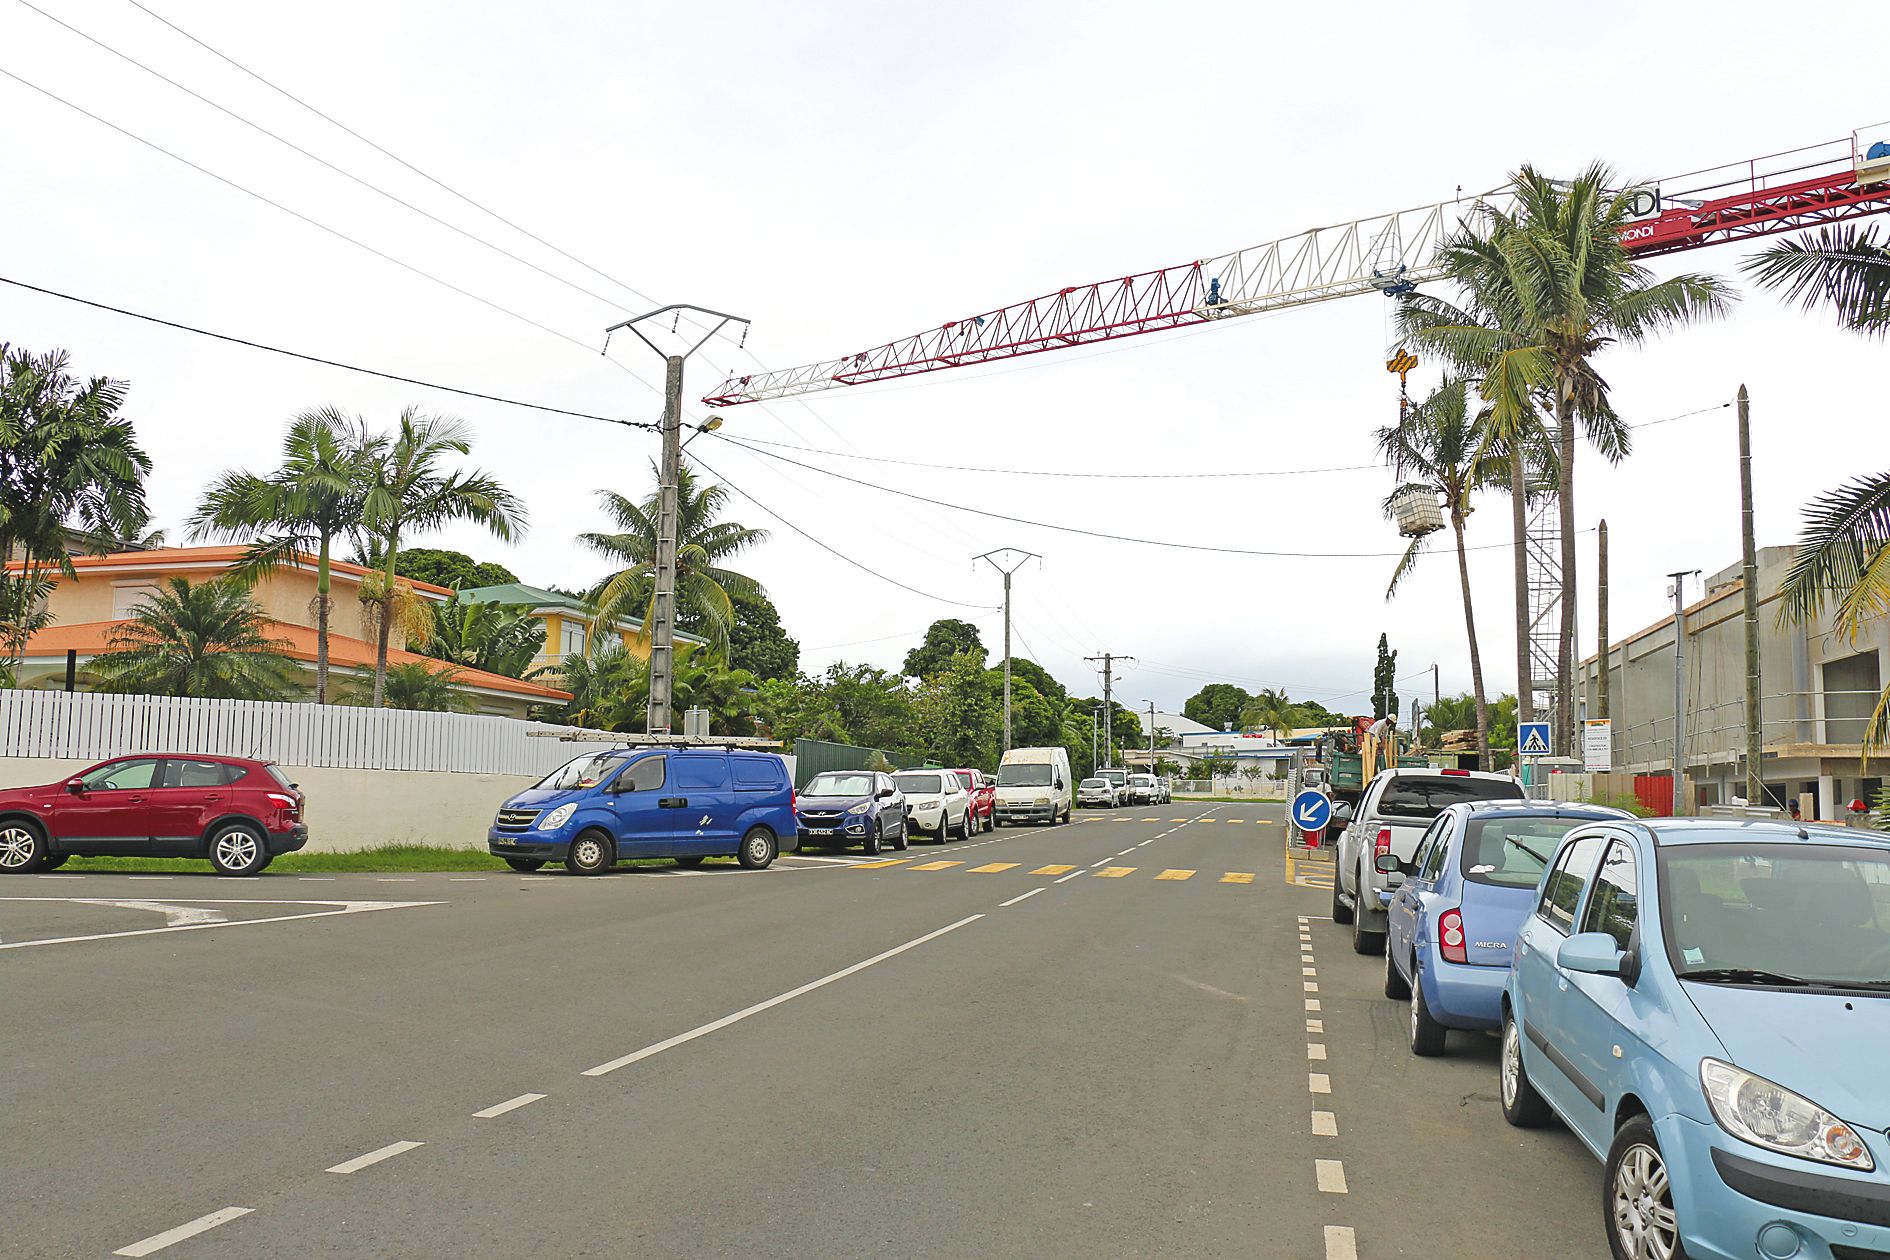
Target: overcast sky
(843, 174)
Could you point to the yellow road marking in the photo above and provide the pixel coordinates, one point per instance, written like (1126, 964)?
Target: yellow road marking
(935, 866)
(1114, 872)
(1176, 874)
(873, 866)
(1237, 877)
(1053, 870)
(990, 868)
(1170, 820)
(1237, 820)
(1151, 820)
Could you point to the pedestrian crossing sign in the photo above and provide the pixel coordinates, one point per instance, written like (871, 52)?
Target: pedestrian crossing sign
(1532, 739)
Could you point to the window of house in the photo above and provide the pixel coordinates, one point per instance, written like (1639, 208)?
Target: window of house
(1851, 687)
(126, 596)
(572, 642)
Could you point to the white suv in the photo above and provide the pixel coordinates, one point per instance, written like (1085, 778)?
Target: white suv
(936, 803)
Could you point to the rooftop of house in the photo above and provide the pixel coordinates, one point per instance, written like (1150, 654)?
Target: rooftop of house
(209, 559)
(518, 594)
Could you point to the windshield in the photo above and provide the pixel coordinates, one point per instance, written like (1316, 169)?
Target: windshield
(1420, 796)
(1024, 774)
(919, 784)
(585, 772)
(1814, 912)
(1511, 852)
(840, 785)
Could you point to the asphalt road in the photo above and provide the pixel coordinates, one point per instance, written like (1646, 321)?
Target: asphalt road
(1058, 1045)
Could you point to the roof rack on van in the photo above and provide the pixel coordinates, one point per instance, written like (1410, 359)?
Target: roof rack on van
(621, 740)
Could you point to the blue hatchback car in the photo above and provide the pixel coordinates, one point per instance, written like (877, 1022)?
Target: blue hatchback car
(1707, 1005)
(686, 803)
(1452, 924)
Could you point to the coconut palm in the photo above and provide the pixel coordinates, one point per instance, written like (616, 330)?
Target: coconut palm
(315, 496)
(1843, 558)
(703, 544)
(1439, 448)
(1845, 268)
(1271, 709)
(411, 685)
(409, 491)
(491, 637)
(1549, 287)
(208, 639)
(609, 686)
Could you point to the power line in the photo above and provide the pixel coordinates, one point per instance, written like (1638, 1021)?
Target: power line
(316, 223)
(1052, 472)
(832, 551)
(334, 363)
(1091, 533)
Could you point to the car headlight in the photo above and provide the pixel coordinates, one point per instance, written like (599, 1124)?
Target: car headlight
(1043, 800)
(557, 817)
(864, 807)
(1755, 1110)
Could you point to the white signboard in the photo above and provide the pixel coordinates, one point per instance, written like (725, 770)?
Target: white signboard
(1598, 744)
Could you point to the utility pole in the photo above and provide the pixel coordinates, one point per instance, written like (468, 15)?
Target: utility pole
(1151, 737)
(1601, 620)
(1095, 729)
(662, 627)
(1755, 742)
(1679, 683)
(1109, 660)
(1006, 566)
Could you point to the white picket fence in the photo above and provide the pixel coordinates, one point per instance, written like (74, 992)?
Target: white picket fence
(85, 727)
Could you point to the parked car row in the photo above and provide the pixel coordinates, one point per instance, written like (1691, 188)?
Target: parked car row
(1705, 1004)
(1109, 789)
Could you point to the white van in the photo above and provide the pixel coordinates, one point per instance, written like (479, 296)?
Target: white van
(1034, 785)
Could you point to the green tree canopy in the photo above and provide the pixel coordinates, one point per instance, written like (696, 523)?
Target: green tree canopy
(957, 713)
(456, 569)
(1216, 705)
(756, 642)
(944, 639)
(1385, 681)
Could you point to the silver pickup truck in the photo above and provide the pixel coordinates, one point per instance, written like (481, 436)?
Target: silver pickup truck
(1392, 816)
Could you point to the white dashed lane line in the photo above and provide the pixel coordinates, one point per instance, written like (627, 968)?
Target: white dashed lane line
(1325, 1124)
(499, 1109)
(1331, 1176)
(1021, 897)
(359, 1162)
(1340, 1244)
(189, 1229)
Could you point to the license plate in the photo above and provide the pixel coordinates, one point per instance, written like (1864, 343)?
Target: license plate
(820, 831)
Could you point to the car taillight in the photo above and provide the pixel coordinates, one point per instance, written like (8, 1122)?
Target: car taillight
(1383, 844)
(1450, 937)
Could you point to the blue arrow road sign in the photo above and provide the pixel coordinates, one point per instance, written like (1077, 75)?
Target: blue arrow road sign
(1311, 810)
(1532, 739)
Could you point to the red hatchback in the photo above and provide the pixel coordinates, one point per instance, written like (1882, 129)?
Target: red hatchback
(982, 816)
(236, 812)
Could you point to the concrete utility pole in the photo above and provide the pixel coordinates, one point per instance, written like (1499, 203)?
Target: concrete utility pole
(1755, 741)
(1601, 620)
(1679, 683)
(1151, 737)
(1109, 660)
(1007, 567)
(662, 627)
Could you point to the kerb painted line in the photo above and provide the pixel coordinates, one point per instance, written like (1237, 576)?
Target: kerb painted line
(189, 1229)
(637, 1056)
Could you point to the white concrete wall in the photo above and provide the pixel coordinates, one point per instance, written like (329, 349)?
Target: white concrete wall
(357, 809)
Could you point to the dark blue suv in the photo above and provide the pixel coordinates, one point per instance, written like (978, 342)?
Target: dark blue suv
(684, 803)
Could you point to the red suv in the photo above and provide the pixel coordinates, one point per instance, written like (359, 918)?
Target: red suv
(236, 812)
(983, 812)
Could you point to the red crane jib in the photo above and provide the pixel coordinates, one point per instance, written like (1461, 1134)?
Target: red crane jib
(1756, 212)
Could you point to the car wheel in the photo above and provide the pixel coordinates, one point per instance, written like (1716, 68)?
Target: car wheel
(1637, 1197)
(525, 866)
(758, 849)
(871, 844)
(1341, 913)
(964, 826)
(238, 849)
(690, 861)
(1522, 1105)
(1396, 987)
(22, 848)
(996, 822)
(1426, 1034)
(591, 853)
(903, 839)
(1364, 941)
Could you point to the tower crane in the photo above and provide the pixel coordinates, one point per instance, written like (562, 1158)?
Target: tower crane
(1391, 254)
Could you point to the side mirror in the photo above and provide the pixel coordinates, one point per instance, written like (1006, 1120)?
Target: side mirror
(76, 786)
(1342, 812)
(1057, 784)
(1592, 952)
(1388, 864)
(885, 794)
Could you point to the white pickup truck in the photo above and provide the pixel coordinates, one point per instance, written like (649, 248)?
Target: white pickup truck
(1397, 808)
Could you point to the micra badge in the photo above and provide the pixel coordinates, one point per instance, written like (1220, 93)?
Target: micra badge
(1492, 944)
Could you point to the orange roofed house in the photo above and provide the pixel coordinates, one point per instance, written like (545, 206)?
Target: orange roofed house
(105, 589)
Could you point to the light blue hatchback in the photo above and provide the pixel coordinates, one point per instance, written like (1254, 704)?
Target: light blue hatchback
(1451, 928)
(1707, 1005)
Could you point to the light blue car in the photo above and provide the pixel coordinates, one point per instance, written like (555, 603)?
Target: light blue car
(1451, 929)
(1707, 1005)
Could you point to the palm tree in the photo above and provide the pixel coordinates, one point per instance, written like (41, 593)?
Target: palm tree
(1845, 268)
(1549, 285)
(491, 637)
(314, 497)
(207, 639)
(1440, 449)
(412, 685)
(609, 688)
(703, 544)
(409, 492)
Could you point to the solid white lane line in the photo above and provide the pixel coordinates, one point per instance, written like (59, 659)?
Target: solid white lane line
(374, 1157)
(1331, 1176)
(1340, 1243)
(1316, 1050)
(1022, 897)
(189, 1229)
(1318, 1083)
(638, 1056)
(510, 1104)
(1325, 1124)
(1067, 878)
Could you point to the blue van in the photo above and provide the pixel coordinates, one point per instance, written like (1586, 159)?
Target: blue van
(681, 802)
